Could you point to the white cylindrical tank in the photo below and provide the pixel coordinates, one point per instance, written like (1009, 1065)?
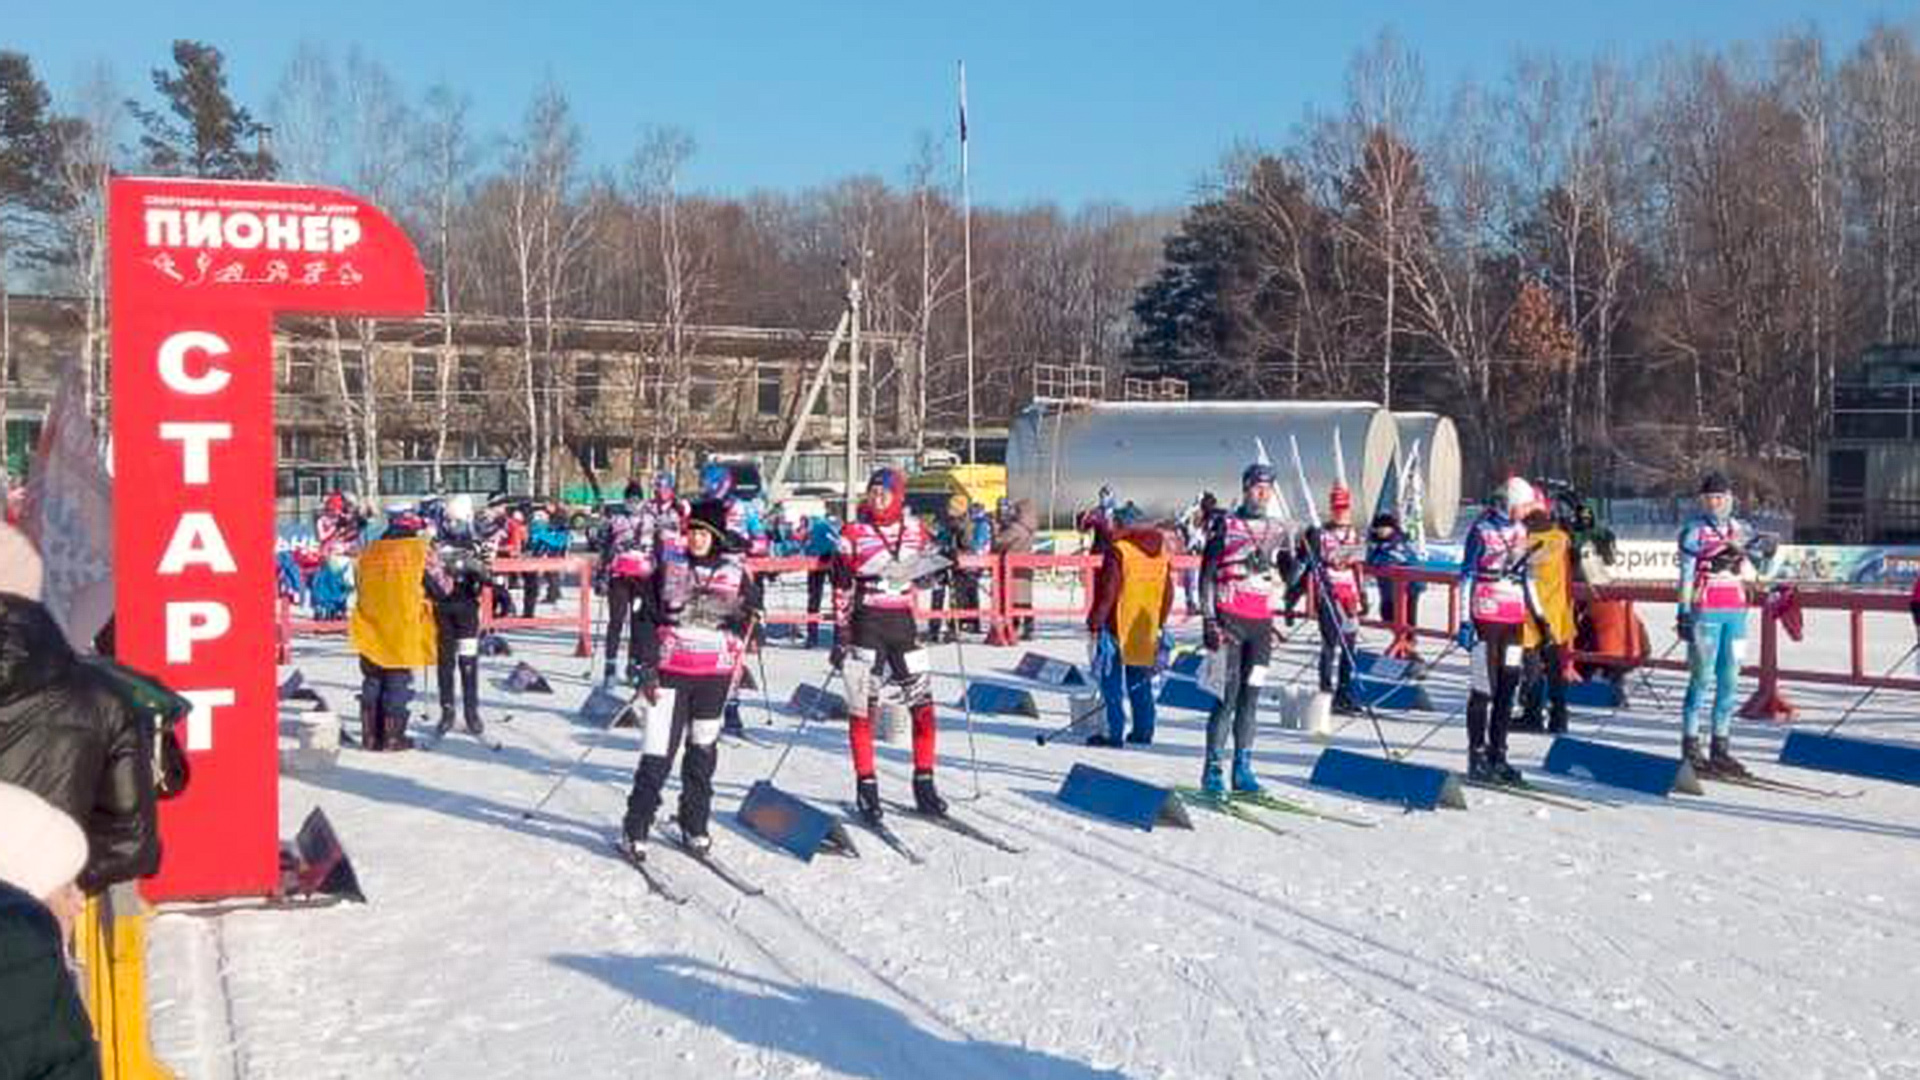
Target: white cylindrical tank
(1162, 455)
(1437, 442)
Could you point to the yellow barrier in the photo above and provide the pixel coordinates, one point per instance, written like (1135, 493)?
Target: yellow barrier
(112, 944)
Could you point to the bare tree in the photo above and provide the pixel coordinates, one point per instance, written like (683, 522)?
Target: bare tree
(445, 149)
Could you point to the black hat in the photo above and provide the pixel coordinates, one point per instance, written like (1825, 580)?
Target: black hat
(635, 490)
(1715, 483)
(711, 514)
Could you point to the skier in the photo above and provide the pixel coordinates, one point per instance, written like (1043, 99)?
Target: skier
(821, 542)
(1712, 620)
(1338, 546)
(1493, 574)
(1132, 595)
(1389, 546)
(743, 514)
(743, 520)
(1243, 553)
(456, 615)
(700, 605)
(629, 564)
(873, 641)
(392, 627)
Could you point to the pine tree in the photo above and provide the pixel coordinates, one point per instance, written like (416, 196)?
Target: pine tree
(201, 131)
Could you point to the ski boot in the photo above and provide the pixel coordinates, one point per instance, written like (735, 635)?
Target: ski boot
(476, 727)
(1243, 779)
(610, 677)
(1480, 767)
(1212, 780)
(1720, 759)
(1557, 718)
(1504, 773)
(866, 797)
(926, 798)
(698, 844)
(1101, 738)
(372, 737)
(1140, 736)
(396, 729)
(445, 725)
(1344, 705)
(1690, 752)
(633, 842)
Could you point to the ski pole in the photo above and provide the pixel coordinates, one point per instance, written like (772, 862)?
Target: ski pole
(1408, 680)
(966, 703)
(806, 717)
(1862, 699)
(594, 744)
(1645, 681)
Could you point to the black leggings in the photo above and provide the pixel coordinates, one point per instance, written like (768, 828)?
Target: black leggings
(1250, 644)
(696, 698)
(1490, 703)
(623, 615)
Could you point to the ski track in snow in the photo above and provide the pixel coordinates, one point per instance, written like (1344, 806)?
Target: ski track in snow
(1744, 934)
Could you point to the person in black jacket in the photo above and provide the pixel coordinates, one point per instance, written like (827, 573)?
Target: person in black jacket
(456, 616)
(66, 735)
(44, 1031)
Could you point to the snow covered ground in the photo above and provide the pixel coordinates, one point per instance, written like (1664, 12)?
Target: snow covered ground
(1741, 934)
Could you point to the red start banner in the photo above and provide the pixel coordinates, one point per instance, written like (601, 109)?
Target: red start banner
(199, 269)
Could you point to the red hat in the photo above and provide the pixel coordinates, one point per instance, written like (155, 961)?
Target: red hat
(1340, 498)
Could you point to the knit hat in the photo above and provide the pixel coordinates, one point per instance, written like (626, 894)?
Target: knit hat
(20, 570)
(41, 848)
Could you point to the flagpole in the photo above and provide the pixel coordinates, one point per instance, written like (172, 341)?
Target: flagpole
(966, 246)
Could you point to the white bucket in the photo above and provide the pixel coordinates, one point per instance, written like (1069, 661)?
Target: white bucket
(1319, 714)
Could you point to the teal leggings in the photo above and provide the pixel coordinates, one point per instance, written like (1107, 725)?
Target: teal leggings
(1714, 653)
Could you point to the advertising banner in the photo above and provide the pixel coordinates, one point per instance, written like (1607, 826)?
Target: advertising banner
(199, 269)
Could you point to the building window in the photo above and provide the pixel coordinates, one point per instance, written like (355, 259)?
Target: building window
(767, 391)
(299, 373)
(423, 378)
(353, 368)
(296, 445)
(473, 447)
(417, 447)
(586, 382)
(469, 378)
(597, 455)
(703, 390)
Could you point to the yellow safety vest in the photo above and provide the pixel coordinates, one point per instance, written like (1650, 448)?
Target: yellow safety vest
(392, 620)
(1550, 585)
(1143, 591)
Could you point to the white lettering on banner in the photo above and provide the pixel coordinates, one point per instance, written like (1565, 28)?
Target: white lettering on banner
(189, 621)
(173, 363)
(197, 542)
(200, 719)
(194, 440)
(245, 230)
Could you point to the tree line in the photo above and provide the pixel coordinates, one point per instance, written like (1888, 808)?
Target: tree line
(1604, 269)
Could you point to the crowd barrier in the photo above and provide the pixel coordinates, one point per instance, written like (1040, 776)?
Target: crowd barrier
(581, 619)
(1010, 587)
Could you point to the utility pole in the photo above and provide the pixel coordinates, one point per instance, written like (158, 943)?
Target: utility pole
(966, 244)
(853, 398)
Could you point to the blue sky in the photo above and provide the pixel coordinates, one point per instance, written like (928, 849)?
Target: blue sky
(1070, 102)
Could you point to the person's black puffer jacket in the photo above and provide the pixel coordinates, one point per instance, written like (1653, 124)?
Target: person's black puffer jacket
(65, 735)
(43, 1027)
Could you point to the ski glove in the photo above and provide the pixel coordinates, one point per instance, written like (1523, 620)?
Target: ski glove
(1467, 637)
(1683, 626)
(650, 686)
(1210, 635)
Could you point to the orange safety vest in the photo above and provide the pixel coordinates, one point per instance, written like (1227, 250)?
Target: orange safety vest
(392, 620)
(1143, 592)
